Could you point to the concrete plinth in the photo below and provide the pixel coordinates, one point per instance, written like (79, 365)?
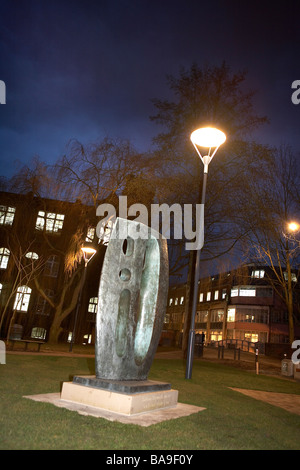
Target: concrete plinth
(123, 403)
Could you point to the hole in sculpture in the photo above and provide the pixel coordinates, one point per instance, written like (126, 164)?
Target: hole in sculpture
(122, 322)
(125, 274)
(128, 246)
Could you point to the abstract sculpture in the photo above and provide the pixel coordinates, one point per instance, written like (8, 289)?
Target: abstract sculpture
(132, 302)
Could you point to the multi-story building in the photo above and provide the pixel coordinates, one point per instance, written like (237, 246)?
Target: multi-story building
(37, 238)
(242, 304)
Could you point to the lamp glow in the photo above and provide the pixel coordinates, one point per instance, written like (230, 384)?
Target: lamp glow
(88, 253)
(293, 227)
(208, 137)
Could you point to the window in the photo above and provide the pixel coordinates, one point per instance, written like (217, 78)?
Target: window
(170, 302)
(293, 276)
(181, 300)
(32, 255)
(38, 333)
(176, 301)
(234, 292)
(4, 257)
(90, 234)
(201, 297)
(92, 308)
(52, 266)
(7, 215)
(224, 293)
(42, 306)
(208, 296)
(217, 315)
(22, 299)
(247, 291)
(258, 273)
(216, 296)
(231, 315)
(49, 221)
(252, 337)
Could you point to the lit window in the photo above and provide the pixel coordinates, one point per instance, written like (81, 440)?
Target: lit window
(253, 337)
(201, 297)
(258, 273)
(4, 257)
(90, 234)
(7, 215)
(32, 255)
(170, 302)
(216, 296)
(231, 315)
(208, 296)
(22, 299)
(87, 339)
(234, 292)
(104, 231)
(176, 301)
(293, 276)
(52, 266)
(49, 221)
(93, 304)
(181, 300)
(224, 292)
(247, 291)
(38, 333)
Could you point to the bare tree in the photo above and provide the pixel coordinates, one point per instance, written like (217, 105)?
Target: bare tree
(268, 207)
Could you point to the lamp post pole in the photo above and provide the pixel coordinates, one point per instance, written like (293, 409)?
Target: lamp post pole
(209, 138)
(88, 253)
(191, 344)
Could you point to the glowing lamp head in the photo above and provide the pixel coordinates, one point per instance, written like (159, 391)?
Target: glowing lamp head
(88, 253)
(293, 227)
(208, 137)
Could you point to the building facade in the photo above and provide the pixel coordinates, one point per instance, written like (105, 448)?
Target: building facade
(38, 237)
(243, 304)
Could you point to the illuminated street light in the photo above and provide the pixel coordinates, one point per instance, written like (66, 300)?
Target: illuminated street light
(210, 140)
(293, 227)
(88, 252)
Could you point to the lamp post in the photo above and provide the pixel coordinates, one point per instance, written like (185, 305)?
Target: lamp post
(209, 138)
(88, 252)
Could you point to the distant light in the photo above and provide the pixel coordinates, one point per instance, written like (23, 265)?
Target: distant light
(88, 253)
(293, 226)
(208, 137)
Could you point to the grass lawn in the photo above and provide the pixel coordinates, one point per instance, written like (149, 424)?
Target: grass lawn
(230, 421)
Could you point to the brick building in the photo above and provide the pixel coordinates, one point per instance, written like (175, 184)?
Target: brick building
(36, 236)
(243, 304)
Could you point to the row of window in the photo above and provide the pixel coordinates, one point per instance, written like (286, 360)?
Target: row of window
(241, 291)
(49, 221)
(22, 299)
(51, 265)
(52, 222)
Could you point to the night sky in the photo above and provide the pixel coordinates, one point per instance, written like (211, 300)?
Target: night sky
(87, 69)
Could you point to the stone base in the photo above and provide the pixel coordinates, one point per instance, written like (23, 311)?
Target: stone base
(141, 419)
(121, 386)
(122, 403)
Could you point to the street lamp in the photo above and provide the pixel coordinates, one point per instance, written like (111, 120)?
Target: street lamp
(210, 139)
(87, 252)
(293, 227)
